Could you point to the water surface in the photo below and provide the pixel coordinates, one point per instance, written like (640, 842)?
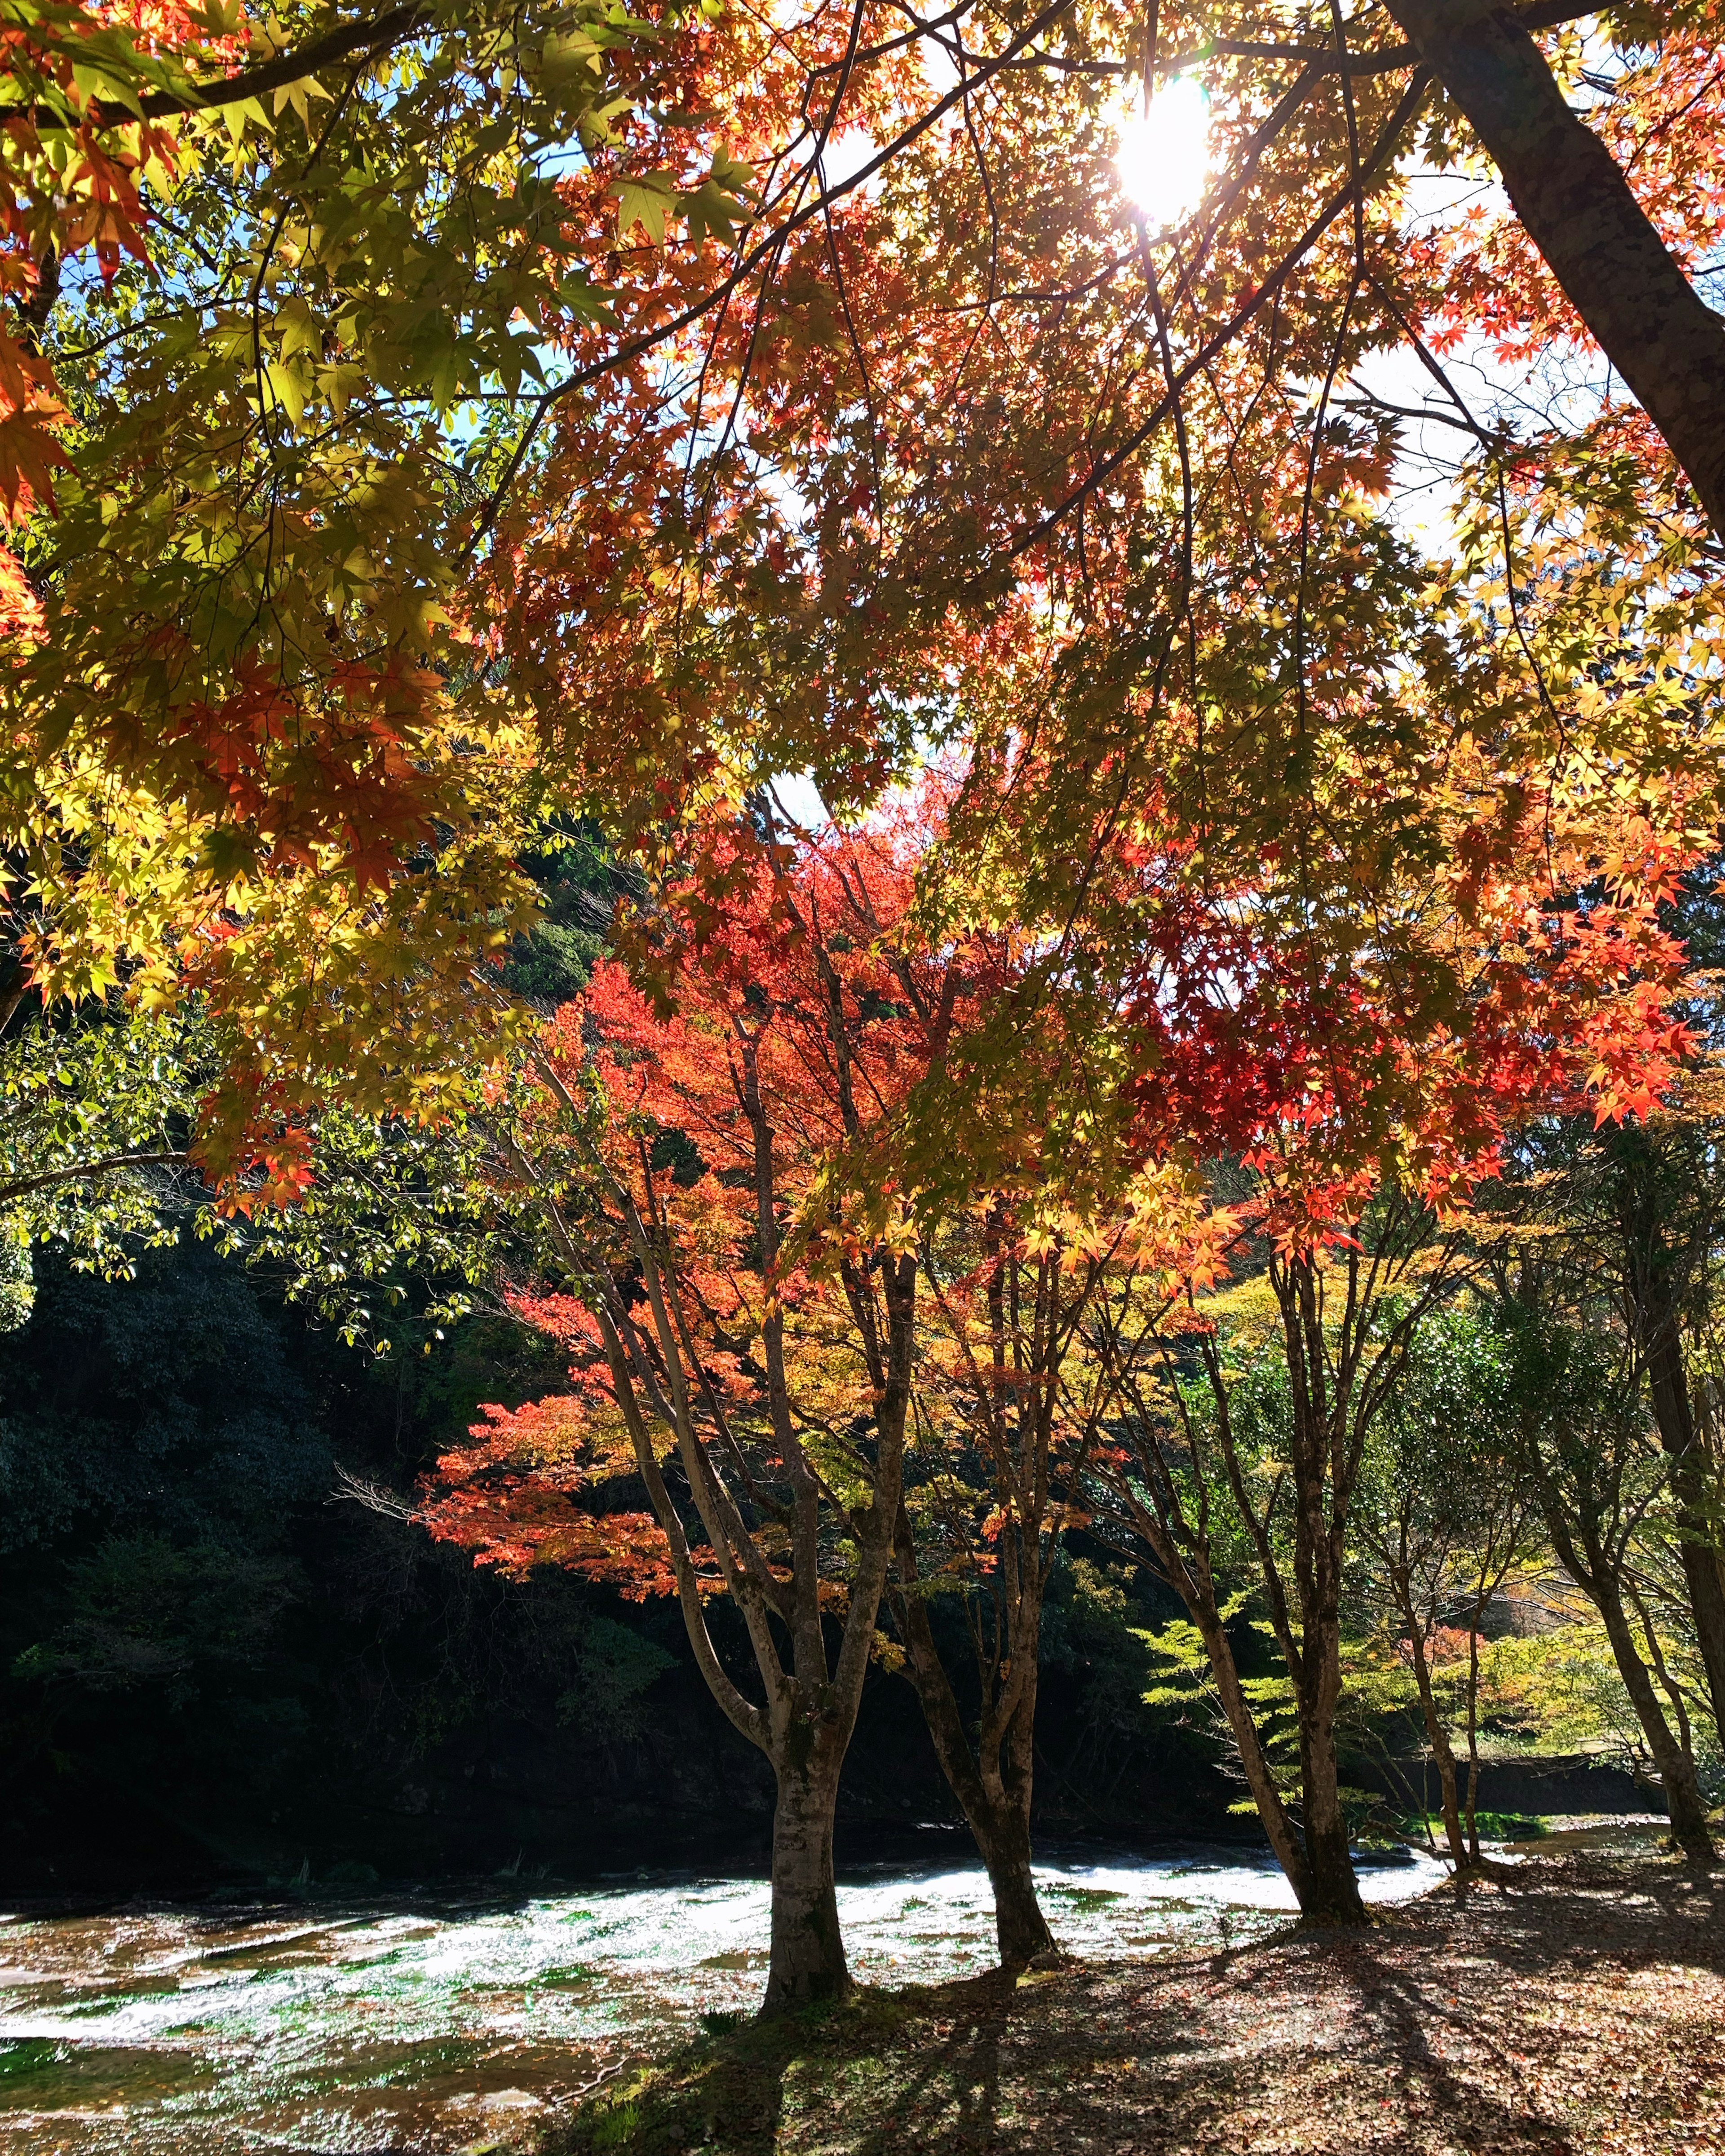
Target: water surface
(440, 2023)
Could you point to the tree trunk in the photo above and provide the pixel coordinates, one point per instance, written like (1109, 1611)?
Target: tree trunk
(1002, 1835)
(1673, 1412)
(1334, 1897)
(1579, 210)
(994, 1795)
(1473, 1735)
(997, 1810)
(808, 1963)
(1677, 1769)
(1008, 1779)
(1272, 1812)
(1439, 1739)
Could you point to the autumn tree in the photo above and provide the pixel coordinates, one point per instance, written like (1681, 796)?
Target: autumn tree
(985, 1501)
(742, 1334)
(952, 440)
(1011, 1404)
(1355, 1151)
(276, 283)
(709, 450)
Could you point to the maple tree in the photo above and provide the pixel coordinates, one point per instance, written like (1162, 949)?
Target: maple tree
(277, 282)
(865, 1396)
(1358, 1151)
(1006, 1421)
(367, 326)
(828, 404)
(1012, 1407)
(763, 1398)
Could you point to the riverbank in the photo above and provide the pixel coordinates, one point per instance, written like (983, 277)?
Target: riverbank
(1580, 2010)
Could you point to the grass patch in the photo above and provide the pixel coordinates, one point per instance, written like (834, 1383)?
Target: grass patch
(737, 2085)
(29, 2055)
(1493, 1826)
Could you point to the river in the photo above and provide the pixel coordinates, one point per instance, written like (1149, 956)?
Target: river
(440, 2021)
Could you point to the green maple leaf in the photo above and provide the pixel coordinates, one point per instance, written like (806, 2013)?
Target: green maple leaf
(644, 202)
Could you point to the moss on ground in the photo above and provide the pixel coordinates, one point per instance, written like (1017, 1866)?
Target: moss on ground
(1580, 2013)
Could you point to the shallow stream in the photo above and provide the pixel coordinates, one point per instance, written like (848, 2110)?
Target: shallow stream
(439, 2022)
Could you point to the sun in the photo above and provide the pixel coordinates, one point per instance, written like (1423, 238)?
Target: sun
(1164, 157)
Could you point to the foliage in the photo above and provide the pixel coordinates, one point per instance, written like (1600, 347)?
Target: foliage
(96, 1113)
(187, 1616)
(945, 448)
(199, 1418)
(614, 1667)
(468, 448)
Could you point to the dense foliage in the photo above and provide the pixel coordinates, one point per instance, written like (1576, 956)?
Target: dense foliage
(735, 694)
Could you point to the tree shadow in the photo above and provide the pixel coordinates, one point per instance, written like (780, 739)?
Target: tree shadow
(1503, 2024)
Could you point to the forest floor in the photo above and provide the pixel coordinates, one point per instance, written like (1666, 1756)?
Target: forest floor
(1581, 2010)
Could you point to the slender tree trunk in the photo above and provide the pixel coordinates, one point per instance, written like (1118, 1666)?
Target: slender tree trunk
(1193, 1583)
(994, 1795)
(807, 1963)
(1272, 1812)
(1673, 1413)
(1473, 1738)
(997, 1809)
(1439, 1739)
(1677, 1769)
(1334, 1897)
(1322, 1487)
(1019, 1922)
(1579, 210)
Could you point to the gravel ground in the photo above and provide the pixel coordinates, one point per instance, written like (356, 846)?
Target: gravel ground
(1581, 2009)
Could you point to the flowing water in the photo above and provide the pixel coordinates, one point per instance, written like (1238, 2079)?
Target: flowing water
(447, 2022)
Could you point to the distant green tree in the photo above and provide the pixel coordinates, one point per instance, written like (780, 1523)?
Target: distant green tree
(1597, 1473)
(1443, 1515)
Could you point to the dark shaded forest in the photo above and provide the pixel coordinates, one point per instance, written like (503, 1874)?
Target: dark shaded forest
(219, 1670)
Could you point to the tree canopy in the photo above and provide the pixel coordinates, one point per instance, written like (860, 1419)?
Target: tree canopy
(1154, 728)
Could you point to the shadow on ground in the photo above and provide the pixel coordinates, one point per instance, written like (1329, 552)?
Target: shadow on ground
(1578, 2011)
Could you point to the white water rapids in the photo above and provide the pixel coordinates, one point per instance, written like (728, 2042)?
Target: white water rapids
(447, 2022)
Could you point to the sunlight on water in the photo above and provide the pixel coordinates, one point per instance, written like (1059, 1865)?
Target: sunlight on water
(440, 2024)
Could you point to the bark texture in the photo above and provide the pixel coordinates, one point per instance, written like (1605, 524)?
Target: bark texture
(1579, 211)
(808, 1957)
(991, 1778)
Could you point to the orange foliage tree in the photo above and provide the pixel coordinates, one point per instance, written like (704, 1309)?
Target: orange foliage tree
(1353, 1185)
(742, 1342)
(830, 1389)
(830, 382)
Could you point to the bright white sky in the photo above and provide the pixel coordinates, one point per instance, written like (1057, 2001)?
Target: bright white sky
(1164, 157)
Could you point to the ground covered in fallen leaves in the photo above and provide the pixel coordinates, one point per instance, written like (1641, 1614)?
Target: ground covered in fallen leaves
(1582, 2010)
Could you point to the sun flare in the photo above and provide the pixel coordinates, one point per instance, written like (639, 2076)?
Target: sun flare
(1164, 157)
